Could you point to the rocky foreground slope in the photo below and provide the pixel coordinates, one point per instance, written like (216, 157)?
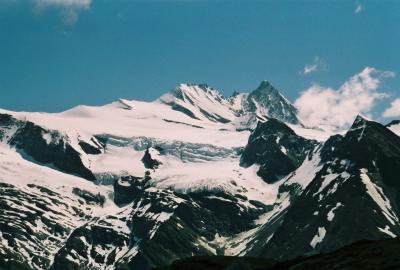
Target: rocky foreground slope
(369, 255)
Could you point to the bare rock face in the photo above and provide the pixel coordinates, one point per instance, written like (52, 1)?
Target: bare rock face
(127, 189)
(44, 146)
(277, 149)
(149, 161)
(267, 100)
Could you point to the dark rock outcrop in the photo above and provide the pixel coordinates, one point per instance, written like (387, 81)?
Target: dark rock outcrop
(127, 189)
(43, 146)
(276, 148)
(148, 161)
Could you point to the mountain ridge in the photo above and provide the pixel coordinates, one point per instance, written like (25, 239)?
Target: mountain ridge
(164, 185)
(264, 101)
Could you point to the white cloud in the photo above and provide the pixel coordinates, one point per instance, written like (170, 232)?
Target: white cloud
(338, 108)
(393, 110)
(315, 66)
(69, 8)
(358, 9)
(65, 3)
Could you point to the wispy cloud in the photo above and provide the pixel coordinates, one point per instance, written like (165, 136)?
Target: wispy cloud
(317, 65)
(81, 3)
(69, 8)
(358, 8)
(337, 108)
(393, 110)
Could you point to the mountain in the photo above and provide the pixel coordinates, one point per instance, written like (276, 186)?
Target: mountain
(355, 181)
(137, 185)
(199, 102)
(267, 100)
(205, 103)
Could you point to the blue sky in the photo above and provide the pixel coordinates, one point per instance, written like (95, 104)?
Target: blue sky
(55, 54)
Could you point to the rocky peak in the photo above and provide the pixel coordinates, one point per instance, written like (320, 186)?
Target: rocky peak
(272, 127)
(393, 123)
(196, 89)
(267, 100)
(368, 141)
(235, 93)
(276, 148)
(358, 128)
(359, 121)
(370, 131)
(193, 94)
(266, 87)
(200, 101)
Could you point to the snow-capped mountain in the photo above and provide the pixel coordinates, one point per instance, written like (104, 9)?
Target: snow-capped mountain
(135, 185)
(267, 100)
(242, 109)
(352, 195)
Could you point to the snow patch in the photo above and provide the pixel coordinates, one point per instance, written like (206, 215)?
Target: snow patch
(376, 193)
(387, 231)
(318, 238)
(331, 213)
(306, 172)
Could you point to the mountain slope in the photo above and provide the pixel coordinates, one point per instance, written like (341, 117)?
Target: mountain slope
(356, 182)
(48, 146)
(202, 102)
(40, 207)
(199, 102)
